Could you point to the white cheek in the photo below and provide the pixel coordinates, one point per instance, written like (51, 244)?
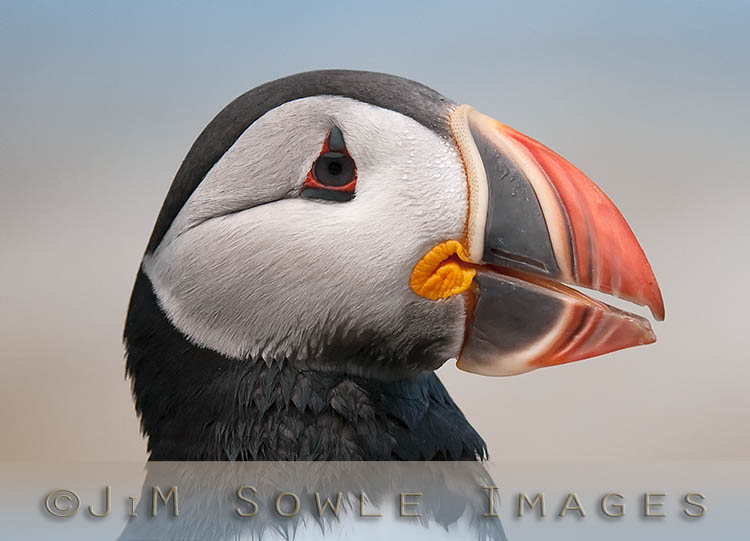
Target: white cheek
(411, 184)
(262, 166)
(281, 278)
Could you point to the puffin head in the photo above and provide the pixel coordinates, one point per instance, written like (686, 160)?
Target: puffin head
(361, 223)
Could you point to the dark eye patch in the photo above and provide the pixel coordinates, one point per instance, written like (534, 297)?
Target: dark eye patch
(336, 140)
(329, 195)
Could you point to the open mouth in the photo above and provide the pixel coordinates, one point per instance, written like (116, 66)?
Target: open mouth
(522, 321)
(519, 321)
(561, 289)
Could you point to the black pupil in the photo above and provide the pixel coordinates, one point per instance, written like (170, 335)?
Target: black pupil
(334, 169)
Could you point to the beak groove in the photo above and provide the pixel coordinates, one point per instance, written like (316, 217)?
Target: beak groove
(603, 253)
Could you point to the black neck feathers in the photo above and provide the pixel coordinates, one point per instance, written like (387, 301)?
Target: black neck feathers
(196, 404)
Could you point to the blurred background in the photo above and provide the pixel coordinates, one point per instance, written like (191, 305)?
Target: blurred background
(100, 102)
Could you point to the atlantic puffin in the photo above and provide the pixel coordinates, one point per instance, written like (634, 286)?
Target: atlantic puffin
(330, 240)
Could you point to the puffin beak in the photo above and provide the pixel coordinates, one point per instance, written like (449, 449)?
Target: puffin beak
(536, 223)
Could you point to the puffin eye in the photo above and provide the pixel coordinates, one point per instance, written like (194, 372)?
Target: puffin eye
(334, 169)
(333, 175)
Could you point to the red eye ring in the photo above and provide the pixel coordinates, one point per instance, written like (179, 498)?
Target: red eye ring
(333, 171)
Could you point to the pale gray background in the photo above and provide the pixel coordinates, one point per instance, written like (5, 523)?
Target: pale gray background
(99, 104)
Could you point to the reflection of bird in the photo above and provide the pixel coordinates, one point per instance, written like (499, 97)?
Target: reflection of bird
(330, 240)
(359, 500)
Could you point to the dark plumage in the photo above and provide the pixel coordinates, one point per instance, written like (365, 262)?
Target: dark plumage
(196, 404)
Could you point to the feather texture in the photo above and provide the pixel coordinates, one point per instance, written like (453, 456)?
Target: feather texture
(196, 404)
